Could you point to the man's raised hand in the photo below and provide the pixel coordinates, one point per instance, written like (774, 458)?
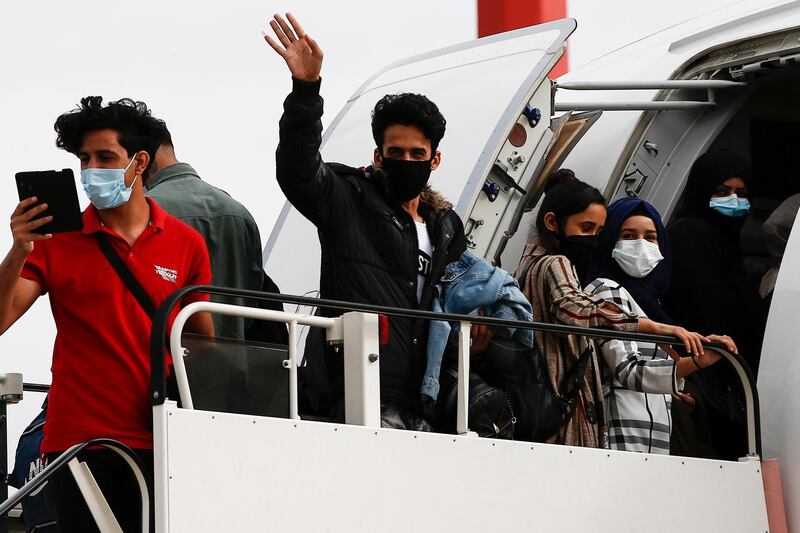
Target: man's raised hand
(23, 225)
(302, 54)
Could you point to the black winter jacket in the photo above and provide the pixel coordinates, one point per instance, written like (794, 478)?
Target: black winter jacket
(369, 246)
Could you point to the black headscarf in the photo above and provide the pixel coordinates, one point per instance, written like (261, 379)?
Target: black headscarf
(710, 171)
(648, 290)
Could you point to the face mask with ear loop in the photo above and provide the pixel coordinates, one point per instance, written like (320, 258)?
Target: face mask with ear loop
(731, 206)
(577, 248)
(105, 187)
(637, 258)
(405, 179)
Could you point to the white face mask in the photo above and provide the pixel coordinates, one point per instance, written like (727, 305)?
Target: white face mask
(637, 258)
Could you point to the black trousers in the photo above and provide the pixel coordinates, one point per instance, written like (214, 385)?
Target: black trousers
(117, 483)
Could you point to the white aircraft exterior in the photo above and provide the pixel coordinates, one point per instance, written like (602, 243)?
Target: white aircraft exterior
(651, 129)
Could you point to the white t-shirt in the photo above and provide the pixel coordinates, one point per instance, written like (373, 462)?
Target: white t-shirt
(424, 255)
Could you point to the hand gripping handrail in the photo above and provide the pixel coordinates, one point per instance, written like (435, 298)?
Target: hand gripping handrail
(63, 460)
(159, 336)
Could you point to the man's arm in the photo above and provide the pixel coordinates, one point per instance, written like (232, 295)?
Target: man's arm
(200, 324)
(302, 175)
(199, 273)
(18, 294)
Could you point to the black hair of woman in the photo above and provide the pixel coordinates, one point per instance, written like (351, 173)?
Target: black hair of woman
(566, 196)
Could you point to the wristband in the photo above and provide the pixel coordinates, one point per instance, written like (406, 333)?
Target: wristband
(694, 360)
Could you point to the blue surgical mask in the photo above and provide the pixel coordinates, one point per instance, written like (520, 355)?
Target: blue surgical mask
(105, 187)
(731, 206)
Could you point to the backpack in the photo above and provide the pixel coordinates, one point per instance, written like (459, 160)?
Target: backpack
(38, 508)
(522, 372)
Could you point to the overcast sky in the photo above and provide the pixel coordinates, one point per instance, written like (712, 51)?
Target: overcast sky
(204, 68)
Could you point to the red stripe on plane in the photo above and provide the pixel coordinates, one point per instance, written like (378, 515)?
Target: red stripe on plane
(497, 16)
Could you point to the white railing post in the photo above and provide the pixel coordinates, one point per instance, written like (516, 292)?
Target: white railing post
(293, 400)
(362, 383)
(462, 409)
(97, 503)
(161, 466)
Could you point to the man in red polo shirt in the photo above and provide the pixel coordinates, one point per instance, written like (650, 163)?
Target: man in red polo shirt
(101, 364)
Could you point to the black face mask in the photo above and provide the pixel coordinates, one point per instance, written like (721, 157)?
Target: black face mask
(405, 179)
(579, 249)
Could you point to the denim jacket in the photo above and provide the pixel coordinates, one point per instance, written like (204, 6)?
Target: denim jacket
(470, 284)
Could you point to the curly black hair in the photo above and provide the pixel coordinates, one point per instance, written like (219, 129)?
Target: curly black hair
(410, 110)
(138, 129)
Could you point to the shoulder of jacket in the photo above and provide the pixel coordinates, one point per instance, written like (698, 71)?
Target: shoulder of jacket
(343, 170)
(551, 260)
(451, 217)
(357, 177)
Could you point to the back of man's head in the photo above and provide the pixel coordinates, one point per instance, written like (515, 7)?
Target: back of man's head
(137, 128)
(165, 150)
(408, 109)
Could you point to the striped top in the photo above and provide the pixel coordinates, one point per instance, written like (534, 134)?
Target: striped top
(553, 289)
(639, 381)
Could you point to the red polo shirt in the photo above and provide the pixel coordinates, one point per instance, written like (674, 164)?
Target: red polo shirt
(101, 359)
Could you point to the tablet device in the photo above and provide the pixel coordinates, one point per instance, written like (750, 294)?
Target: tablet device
(57, 190)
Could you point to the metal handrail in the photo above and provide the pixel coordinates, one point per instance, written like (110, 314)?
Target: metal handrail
(35, 387)
(656, 105)
(62, 461)
(160, 321)
(644, 85)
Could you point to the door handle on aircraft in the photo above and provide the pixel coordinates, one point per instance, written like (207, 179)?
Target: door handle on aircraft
(651, 147)
(473, 225)
(502, 173)
(634, 182)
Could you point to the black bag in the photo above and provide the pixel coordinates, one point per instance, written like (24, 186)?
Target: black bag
(522, 372)
(490, 409)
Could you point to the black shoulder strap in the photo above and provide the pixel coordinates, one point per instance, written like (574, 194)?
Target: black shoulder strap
(572, 380)
(126, 275)
(523, 279)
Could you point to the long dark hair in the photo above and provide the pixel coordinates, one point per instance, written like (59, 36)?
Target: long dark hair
(564, 196)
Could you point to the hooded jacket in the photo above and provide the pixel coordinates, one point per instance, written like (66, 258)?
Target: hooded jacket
(369, 244)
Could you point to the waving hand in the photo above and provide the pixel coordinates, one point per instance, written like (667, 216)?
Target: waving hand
(302, 54)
